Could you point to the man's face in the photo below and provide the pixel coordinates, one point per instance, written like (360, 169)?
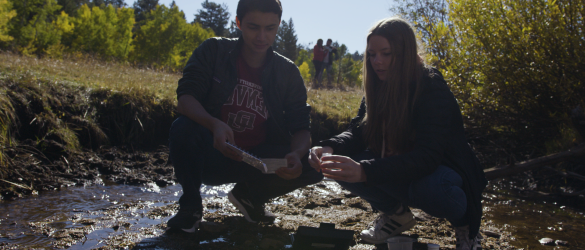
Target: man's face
(328, 42)
(259, 30)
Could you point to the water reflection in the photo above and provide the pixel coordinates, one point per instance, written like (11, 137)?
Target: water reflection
(60, 209)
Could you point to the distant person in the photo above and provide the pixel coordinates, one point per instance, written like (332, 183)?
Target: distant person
(240, 91)
(406, 147)
(330, 51)
(318, 57)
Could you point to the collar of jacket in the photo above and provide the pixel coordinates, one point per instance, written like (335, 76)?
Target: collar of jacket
(234, 53)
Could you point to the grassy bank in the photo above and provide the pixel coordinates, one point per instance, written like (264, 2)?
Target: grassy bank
(82, 103)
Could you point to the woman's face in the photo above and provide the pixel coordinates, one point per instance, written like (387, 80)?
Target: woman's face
(380, 55)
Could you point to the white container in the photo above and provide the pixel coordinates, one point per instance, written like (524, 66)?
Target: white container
(400, 243)
(431, 246)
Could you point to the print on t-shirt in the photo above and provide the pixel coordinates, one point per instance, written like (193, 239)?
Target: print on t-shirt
(244, 111)
(252, 94)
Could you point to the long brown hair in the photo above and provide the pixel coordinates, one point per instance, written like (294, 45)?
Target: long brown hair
(390, 103)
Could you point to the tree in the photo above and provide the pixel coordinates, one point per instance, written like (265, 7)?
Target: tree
(233, 31)
(424, 15)
(35, 29)
(213, 16)
(106, 32)
(6, 13)
(142, 7)
(166, 40)
(516, 67)
(71, 6)
(286, 40)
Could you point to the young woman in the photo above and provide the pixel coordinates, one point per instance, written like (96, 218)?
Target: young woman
(407, 146)
(318, 57)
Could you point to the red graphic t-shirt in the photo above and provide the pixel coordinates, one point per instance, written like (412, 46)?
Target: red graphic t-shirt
(244, 111)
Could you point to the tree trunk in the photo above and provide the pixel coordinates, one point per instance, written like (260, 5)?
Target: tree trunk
(501, 171)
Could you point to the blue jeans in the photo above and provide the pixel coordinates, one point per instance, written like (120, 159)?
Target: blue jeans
(197, 162)
(438, 194)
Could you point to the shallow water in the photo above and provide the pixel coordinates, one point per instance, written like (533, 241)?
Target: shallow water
(60, 208)
(530, 216)
(21, 221)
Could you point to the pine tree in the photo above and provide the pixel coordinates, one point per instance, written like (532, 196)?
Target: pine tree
(233, 31)
(141, 7)
(286, 40)
(214, 16)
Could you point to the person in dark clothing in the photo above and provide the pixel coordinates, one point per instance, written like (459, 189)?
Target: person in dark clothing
(407, 145)
(242, 92)
(330, 51)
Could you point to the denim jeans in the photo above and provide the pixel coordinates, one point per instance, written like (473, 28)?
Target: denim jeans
(438, 194)
(197, 162)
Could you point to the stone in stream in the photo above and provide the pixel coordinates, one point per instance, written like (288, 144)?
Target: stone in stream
(561, 243)
(547, 241)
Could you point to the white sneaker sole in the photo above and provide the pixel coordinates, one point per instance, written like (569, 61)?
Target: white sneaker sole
(240, 207)
(398, 231)
(193, 229)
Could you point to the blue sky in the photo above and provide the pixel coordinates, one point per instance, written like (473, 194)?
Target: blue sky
(345, 21)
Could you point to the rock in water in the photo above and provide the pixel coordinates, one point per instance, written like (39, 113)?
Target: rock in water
(547, 241)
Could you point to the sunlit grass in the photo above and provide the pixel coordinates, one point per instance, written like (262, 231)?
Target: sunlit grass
(332, 108)
(94, 73)
(337, 104)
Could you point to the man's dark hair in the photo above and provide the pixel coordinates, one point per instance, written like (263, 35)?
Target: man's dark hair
(245, 6)
(329, 40)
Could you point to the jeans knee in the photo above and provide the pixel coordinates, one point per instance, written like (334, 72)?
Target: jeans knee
(440, 195)
(184, 129)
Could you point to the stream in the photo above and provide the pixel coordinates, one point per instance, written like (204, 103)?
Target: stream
(106, 211)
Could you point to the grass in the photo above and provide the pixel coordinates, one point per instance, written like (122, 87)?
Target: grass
(81, 101)
(90, 72)
(95, 73)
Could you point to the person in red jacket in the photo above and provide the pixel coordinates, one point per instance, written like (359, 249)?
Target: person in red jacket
(318, 57)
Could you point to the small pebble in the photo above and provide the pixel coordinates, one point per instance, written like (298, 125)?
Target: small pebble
(547, 241)
(562, 243)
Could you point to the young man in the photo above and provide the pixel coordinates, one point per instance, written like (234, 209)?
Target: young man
(328, 61)
(240, 91)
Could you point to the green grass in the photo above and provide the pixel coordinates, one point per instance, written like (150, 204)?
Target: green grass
(93, 73)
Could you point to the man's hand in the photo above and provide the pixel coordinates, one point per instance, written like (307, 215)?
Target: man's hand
(222, 133)
(294, 169)
(342, 168)
(315, 155)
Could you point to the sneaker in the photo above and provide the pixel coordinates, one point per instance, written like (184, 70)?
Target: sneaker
(463, 240)
(386, 226)
(186, 220)
(252, 212)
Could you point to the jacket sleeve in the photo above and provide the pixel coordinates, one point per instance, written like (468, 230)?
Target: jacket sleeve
(296, 109)
(433, 117)
(198, 71)
(350, 141)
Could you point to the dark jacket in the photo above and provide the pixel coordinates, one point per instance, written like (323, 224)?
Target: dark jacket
(211, 76)
(439, 140)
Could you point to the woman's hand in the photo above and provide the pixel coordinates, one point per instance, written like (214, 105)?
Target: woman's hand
(315, 155)
(342, 168)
